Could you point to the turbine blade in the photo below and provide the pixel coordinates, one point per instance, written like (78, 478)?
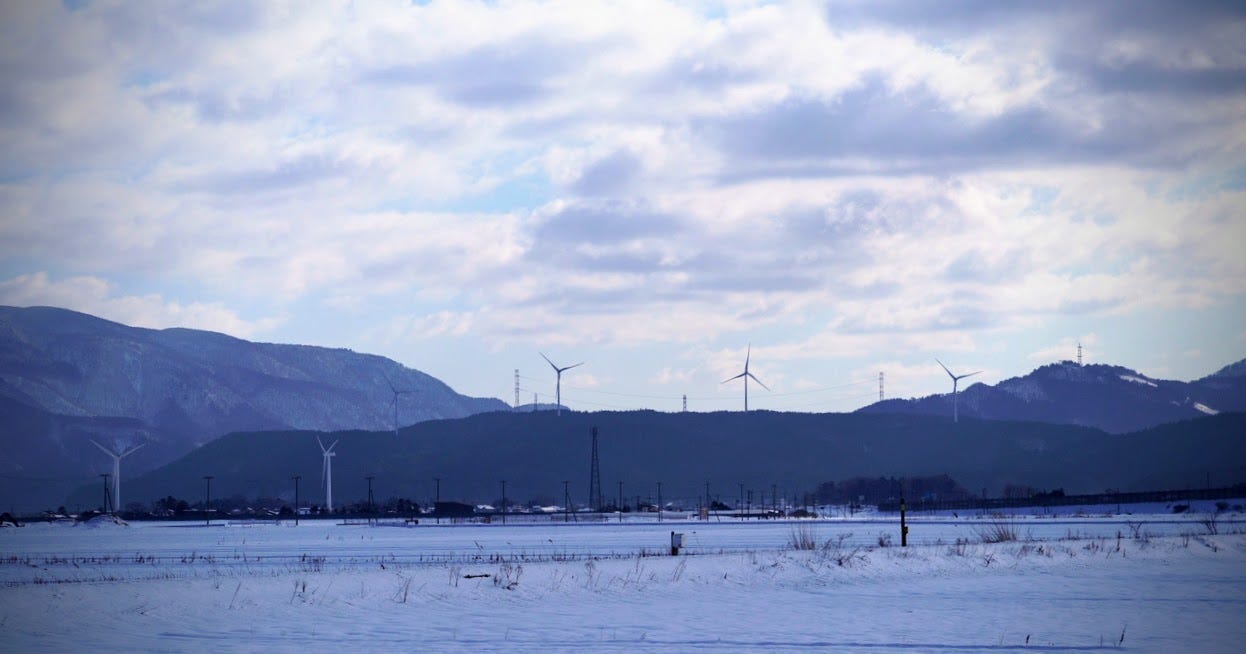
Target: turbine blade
(333, 446)
(754, 378)
(971, 374)
(105, 450)
(570, 367)
(735, 378)
(748, 355)
(387, 381)
(132, 450)
(551, 363)
(949, 372)
(321, 443)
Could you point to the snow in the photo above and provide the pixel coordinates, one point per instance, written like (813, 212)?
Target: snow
(1205, 409)
(1069, 583)
(1139, 380)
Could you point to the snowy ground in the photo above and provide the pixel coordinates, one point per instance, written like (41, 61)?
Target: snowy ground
(1165, 583)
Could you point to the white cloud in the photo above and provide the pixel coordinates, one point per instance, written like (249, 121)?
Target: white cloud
(95, 296)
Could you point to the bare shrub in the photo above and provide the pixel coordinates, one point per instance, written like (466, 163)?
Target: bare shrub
(1211, 522)
(838, 551)
(997, 532)
(884, 539)
(802, 537)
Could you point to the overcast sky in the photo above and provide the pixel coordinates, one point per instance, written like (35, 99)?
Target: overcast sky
(852, 187)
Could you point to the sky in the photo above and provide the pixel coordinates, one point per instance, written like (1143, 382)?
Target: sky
(652, 188)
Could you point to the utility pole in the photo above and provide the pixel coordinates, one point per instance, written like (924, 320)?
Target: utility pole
(620, 507)
(107, 495)
(659, 501)
(437, 499)
(566, 501)
(774, 497)
(207, 500)
(739, 503)
(503, 501)
(371, 507)
(296, 479)
(708, 506)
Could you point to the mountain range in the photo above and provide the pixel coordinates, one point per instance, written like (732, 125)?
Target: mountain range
(1111, 398)
(67, 378)
(795, 452)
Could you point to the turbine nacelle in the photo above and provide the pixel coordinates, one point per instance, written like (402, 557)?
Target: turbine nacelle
(955, 380)
(746, 375)
(558, 382)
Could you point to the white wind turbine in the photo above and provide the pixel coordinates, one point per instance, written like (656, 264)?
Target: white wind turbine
(326, 473)
(116, 471)
(747, 376)
(955, 380)
(558, 383)
(394, 403)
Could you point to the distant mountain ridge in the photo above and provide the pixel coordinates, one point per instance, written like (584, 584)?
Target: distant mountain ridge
(68, 377)
(1112, 398)
(733, 452)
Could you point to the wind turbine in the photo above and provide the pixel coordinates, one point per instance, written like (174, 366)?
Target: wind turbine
(558, 384)
(394, 403)
(326, 473)
(116, 471)
(747, 375)
(955, 379)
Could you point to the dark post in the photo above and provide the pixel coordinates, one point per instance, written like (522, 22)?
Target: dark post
(107, 496)
(371, 509)
(296, 479)
(739, 503)
(503, 501)
(207, 500)
(774, 497)
(437, 498)
(904, 528)
(708, 505)
(620, 507)
(659, 501)
(566, 501)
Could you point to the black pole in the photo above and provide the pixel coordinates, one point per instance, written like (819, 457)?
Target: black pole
(107, 497)
(371, 510)
(739, 503)
(503, 501)
(659, 501)
(904, 528)
(708, 506)
(566, 501)
(207, 500)
(437, 498)
(296, 479)
(620, 507)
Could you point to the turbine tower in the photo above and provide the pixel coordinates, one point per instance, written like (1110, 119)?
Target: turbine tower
(558, 383)
(394, 402)
(747, 376)
(955, 379)
(116, 470)
(326, 473)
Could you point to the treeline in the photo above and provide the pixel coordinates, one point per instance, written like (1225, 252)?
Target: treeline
(866, 490)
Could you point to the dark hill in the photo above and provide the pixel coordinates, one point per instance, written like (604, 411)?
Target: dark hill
(1111, 398)
(535, 452)
(66, 377)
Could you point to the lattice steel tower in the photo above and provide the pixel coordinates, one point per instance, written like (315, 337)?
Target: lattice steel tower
(594, 479)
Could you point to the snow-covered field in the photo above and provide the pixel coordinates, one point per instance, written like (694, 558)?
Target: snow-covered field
(1069, 583)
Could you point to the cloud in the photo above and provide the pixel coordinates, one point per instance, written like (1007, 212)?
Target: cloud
(869, 177)
(94, 296)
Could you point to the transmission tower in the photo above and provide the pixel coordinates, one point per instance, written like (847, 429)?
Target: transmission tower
(1079, 354)
(685, 403)
(880, 387)
(594, 478)
(516, 389)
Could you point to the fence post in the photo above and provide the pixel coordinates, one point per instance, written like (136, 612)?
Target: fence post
(904, 528)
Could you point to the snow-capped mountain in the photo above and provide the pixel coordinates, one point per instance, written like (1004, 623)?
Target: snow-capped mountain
(1111, 398)
(68, 377)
